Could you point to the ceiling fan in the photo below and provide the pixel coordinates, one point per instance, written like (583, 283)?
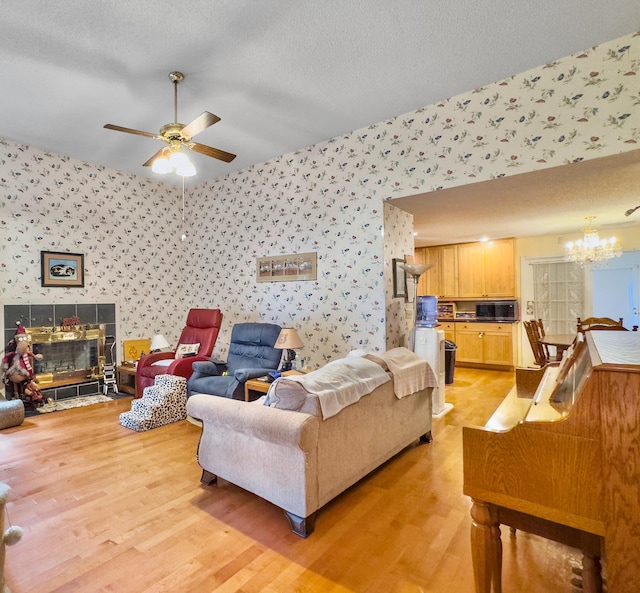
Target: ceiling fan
(177, 135)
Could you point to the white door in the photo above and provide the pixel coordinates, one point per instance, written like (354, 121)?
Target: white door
(616, 289)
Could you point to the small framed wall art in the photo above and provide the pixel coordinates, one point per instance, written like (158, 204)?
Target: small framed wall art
(287, 268)
(61, 269)
(399, 279)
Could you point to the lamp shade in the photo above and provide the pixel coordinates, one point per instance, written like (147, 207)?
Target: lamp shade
(288, 339)
(161, 165)
(171, 158)
(415, 270)
(159, 342)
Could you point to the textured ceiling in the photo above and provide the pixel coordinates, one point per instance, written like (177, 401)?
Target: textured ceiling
(282, 75)
(553, 201)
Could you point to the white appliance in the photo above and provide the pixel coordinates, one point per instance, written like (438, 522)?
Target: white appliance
(429, 345)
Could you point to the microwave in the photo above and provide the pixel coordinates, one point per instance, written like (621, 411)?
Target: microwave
(497, 311)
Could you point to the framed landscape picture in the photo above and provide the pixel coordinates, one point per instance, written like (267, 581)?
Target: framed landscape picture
(61, 269)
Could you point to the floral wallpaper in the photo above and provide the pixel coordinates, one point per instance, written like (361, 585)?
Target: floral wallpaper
(398, 242)
(125, 226)
(327, 198)
(577, 108)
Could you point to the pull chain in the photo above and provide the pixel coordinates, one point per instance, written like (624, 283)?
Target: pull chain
(184, 236)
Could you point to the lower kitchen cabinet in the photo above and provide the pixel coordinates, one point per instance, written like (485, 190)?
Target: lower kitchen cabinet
(449, 328)
(490, 344)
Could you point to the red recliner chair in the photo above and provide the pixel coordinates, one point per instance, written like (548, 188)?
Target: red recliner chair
(203, 326)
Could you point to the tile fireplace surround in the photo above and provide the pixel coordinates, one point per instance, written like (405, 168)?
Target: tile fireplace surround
(48, 315)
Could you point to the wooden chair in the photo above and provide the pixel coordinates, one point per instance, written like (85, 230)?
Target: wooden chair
(533, 333)
(600, 323)
(541, 334)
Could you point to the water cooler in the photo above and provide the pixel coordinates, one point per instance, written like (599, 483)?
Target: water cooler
(429, 344)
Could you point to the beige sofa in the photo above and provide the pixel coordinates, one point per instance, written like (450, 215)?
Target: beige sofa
(298, 460)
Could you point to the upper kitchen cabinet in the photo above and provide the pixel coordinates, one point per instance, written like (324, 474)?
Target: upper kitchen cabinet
(487, 269)
(442, 279)
(424, 255)
(449, 269)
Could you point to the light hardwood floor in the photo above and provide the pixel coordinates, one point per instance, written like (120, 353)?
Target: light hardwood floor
(106, 509)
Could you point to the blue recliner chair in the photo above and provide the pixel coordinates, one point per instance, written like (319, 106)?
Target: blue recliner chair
(251, 354)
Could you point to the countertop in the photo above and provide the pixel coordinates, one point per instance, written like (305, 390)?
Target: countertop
(474, 321)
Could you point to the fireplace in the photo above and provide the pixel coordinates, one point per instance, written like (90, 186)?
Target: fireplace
(71, 337)
(70, 355)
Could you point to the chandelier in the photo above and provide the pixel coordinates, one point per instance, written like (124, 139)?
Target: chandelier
(591, 249)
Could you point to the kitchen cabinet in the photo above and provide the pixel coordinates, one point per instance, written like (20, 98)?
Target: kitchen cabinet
(442, 279)
(469, 270)
(449, 328)
(486, 269)
(421, 255)
(448, 287)
(485, 343)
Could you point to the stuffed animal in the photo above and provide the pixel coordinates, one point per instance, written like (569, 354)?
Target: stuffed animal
(8, 537)
(18, 373)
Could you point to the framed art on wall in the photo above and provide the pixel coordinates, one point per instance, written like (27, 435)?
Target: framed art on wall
(399, 279)
(287, 268)
(61, 269)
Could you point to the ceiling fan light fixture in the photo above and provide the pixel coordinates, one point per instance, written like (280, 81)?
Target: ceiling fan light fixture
(173, 160)
(186, 170)
(178, 159)
(181, 164)
(161, 165)
(177, 136)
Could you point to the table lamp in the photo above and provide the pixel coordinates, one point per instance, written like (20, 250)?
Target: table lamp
(158, 343)
(288, 339)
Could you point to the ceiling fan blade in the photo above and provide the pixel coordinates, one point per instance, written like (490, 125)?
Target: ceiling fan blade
(131, 131)
(202, 122)
(216, 153)
(150, 161)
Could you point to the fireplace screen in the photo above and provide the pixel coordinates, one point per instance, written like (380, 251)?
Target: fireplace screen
(70, 355)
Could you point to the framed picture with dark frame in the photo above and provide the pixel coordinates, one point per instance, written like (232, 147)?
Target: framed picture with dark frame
(62, 269)
(399, 279)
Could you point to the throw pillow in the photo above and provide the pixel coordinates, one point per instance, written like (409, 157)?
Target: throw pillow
(286, 395)
(187, 350)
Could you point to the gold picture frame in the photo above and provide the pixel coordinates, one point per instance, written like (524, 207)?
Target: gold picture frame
(295, 267)
(59, 269)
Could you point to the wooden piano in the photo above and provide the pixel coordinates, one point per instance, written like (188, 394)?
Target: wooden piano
(560, 458)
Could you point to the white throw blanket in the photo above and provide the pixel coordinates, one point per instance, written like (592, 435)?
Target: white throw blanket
(341, 383)
(410, 372)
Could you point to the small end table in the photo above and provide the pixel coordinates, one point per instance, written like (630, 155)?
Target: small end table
(126, 378)
(263, 386)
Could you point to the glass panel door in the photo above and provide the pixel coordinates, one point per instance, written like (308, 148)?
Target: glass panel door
(558, 295)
